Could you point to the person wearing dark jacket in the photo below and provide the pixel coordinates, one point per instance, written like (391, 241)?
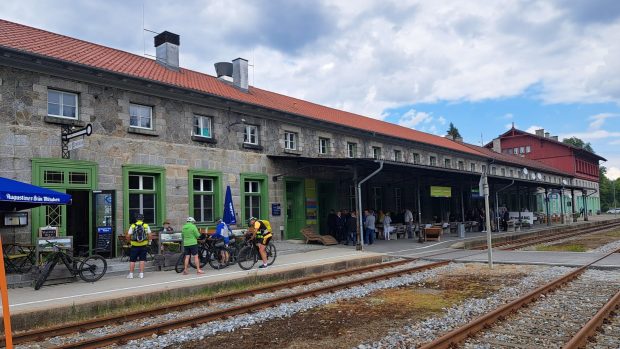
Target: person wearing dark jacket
(331, 223)
(351, 228)
(340, 227)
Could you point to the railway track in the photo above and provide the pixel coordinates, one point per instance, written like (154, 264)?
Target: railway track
(535, 240)
(555, 313)
(161, 328)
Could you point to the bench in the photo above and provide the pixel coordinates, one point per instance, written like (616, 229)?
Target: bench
(433, 233)
(310, 235)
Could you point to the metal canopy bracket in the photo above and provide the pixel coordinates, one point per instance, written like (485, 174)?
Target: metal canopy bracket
(66, 135)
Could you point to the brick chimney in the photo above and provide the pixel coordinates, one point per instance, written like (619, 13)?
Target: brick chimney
(167, 49)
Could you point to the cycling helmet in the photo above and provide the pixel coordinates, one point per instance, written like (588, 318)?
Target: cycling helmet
(191, 220)
(252, 219)
(217, 220)
(139, 217)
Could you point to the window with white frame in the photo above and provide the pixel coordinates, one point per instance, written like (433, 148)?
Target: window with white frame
(398, 200)
(351, 150)
(484, 168)
(515, 151)
(512, 173)
(503, 171)
(203, 199)
(376, 152)
(528, 149)
(250, 134)
(398, 155)
(447, 163)
(432, 160)
(142, 197)
(416, 158)
(140, 116)
(323, 145)
(290, 140)
(352, 202)
(461, 166)
(252, 198)
(377, 198)
(62, 104)
(521, 150)
(472, 167)
(202, 126)
(493, 170)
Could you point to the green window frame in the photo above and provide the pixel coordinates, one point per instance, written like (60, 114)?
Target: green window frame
(158, 190)
(252, 196)
(196, 195)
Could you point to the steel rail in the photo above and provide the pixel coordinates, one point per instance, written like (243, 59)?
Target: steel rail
(460, 334)
(195, 320)
(533, 240)
(40, 334)
(588, 331)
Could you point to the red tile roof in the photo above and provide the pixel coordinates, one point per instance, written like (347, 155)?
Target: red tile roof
(40, 42)
(517, 160)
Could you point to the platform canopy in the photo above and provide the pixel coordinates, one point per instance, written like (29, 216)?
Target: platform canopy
(16, 196)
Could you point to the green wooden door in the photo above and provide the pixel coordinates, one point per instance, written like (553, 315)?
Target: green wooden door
(295, 214)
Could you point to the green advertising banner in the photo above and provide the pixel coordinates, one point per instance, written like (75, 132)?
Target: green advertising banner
(441, 192)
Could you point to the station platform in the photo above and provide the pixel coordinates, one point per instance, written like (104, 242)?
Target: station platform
(294, 260)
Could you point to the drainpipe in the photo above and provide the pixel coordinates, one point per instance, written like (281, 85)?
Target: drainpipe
(360, 240)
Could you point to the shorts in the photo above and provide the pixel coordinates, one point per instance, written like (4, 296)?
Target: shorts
(190, 250)
(264, 239)
(138, 253)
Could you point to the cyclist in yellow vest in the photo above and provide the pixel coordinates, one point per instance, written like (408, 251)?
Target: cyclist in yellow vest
(261, 234)
(138, 234)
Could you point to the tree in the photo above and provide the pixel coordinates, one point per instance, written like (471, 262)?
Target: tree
(454, 132)
(576, 142)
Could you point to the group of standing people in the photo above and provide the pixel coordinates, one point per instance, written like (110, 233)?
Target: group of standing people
(342, 225)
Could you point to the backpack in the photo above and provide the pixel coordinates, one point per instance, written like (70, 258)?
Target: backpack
(265, 225)
(139, 233)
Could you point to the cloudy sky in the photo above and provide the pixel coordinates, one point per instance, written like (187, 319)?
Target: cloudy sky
(482, 65)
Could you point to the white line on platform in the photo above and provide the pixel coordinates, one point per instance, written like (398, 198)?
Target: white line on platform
(172, 282)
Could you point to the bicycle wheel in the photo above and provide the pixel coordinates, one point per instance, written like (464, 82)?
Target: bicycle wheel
(180, 265)
(217, 260)
(93, 268)
(247, 257)
(204, 256)
(270, 249)
(47, 269)
(234, 254)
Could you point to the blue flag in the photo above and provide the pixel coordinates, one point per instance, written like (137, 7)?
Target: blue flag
(229, 216)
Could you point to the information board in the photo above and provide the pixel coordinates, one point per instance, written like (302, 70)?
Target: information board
(48, 232)
(276, 209)
(441, 192)
(104, 239)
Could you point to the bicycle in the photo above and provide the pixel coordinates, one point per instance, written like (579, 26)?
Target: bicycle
(90, 269)
(249, 254)
(209, 251)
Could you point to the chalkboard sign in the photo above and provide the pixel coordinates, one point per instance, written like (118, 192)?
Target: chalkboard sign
(104, 238)
(48, 232)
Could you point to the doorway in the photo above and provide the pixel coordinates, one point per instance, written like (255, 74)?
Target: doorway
(295, 214)
(328, 200)
(78, 219)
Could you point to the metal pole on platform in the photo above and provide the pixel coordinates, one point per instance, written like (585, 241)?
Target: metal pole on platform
(485, 185)
(360, 243)
(6, 315)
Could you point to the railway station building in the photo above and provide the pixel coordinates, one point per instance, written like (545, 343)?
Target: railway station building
(167, 141)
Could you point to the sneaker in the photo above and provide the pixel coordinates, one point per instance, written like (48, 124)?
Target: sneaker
(262, 266)
(130, 276)
(141, 275)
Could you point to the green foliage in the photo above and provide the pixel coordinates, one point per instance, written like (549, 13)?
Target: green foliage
(454, 132)
(577, 142)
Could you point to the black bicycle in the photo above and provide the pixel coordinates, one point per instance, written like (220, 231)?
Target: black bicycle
(249, 254)
(210, 251)
(90, 269)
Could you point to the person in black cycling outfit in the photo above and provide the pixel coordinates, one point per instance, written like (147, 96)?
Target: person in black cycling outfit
(261, 234)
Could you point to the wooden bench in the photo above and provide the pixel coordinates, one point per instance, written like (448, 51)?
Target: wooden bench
(433, 233)
(310, 235)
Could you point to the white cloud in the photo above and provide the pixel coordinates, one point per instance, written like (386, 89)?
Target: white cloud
(613, 173)
(591, 135)
(413, 117)
(441, 120)
(508, 116)
(599, 119)
(532, 129)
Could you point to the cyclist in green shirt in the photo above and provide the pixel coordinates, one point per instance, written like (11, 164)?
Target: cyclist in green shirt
(190, 244)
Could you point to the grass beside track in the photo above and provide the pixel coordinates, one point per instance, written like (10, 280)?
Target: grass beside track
(582, 243)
